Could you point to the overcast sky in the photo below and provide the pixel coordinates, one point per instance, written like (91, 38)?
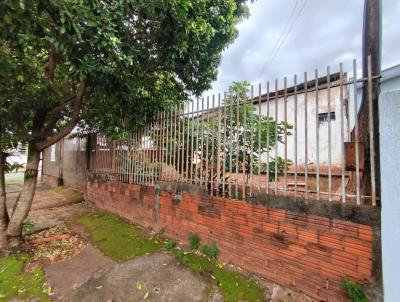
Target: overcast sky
(316, 33)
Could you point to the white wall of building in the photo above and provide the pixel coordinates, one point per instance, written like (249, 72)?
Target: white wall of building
(389, 113)
(311, 117)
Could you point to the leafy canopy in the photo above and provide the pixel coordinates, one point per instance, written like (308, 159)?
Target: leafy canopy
(98, 62)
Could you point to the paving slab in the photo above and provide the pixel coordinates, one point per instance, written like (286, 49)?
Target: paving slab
(156, 277)
(67, 275)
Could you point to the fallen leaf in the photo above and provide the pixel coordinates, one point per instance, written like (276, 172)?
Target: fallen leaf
(139, 285)
(99, 287)
(146, 295)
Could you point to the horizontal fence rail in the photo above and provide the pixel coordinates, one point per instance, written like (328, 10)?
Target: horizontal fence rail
(299, 137)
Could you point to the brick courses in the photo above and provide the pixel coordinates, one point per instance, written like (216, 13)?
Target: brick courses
(306, 252)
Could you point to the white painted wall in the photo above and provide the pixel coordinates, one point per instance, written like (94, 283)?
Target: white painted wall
(389, 113)
(336, 150)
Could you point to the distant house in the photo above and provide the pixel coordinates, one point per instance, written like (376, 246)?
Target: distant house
(315, 114)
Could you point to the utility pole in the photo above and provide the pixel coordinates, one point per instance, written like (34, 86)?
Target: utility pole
(371, 46)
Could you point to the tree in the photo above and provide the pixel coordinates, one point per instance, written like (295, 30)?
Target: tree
(91, 64)
(245, 139)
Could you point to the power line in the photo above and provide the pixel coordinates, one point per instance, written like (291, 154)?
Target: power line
(284, 35)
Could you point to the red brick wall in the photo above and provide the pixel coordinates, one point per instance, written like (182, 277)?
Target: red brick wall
(308, 253)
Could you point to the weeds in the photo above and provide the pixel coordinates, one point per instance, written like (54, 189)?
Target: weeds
(354, 291)
(194, 240)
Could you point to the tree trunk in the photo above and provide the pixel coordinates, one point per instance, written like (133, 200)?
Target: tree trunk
(24, 202)
(3, 208)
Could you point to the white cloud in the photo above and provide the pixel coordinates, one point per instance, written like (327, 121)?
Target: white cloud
(326, 33)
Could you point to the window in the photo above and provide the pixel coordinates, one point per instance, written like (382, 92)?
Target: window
(324, 117)
(53, 153)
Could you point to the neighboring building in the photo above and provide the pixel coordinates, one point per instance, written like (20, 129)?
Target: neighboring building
(65, 163)
(389, 131)
(316, 121)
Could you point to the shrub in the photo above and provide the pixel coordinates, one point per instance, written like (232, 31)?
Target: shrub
(354, 291)
(194, 240)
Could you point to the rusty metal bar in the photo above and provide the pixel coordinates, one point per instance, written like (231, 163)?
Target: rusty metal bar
(329, 135)
(268, 142)
(187, 177)
(285, 131)
(342, 135)
(191, 153)
(230, 146)
(212, 161)
(305, 134)
(237, 146)
(196, 153)
(276, 136)
(317, 131)
(371, 133)
(356, 133)
(202, 143)
(219, 152)
(244, 151)
(259, 138)
(251, 139)
(207, 133)
(225, 152)
(295, 135)
(178, 146)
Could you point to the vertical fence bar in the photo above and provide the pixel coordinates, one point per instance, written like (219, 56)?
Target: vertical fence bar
(317, 131)
(305, 134)
(371, 134)
(175, 143)
(342, 134)
(202, 141)
(230, 145)
(251, 140)
(169, 144)
(219, 152)
(225, 152)
(268, 141)
(329, 135)
(207, 140)
(244, 151)
(188, 136)
(237, 146)
(212, 161)
(259, 138)
(356, 133)
(276, 136)
(285, 132)
(190, 156)
(196, 153)
(178, 147)
(295, 135)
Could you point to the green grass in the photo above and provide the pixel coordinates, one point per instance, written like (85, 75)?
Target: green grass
(233, 286)
(121, 241)
(14, 283)
(116, 238)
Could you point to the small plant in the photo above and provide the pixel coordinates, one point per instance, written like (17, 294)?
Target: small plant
(169, 244)
(211, 252)
(27, 226)
(194, 240)
(354, 291)
(182, 255)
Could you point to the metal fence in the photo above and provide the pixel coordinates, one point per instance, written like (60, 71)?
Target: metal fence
(299, 139)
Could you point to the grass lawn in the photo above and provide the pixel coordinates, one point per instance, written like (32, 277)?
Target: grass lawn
(15, 283)
(116, 238)
(122, 241)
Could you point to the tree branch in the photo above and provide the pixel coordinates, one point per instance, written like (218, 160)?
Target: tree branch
(71, 123)
(51, 66)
